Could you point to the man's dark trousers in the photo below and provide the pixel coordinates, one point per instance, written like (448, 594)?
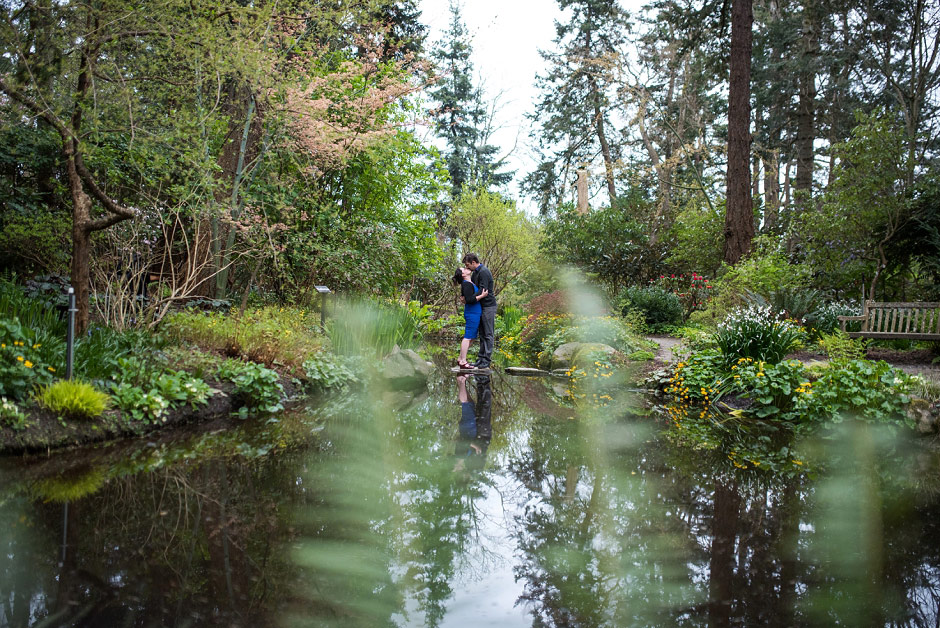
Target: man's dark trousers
(487, 336)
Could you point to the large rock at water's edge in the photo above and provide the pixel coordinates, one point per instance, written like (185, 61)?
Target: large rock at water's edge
(575, 353)
(925, 416)
(405, 369)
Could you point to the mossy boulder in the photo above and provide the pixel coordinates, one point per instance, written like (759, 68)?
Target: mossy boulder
(577, 354)
(405, 369)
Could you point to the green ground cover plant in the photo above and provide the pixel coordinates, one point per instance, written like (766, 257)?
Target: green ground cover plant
(73, 399)
(11, 415)
(24, 360)
(257, 388)
(146, 391)
(326, 371)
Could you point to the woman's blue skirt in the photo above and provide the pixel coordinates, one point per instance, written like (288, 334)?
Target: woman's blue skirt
(471, 314)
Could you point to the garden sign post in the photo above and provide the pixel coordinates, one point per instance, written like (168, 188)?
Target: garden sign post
(70, 336)
(323, 290)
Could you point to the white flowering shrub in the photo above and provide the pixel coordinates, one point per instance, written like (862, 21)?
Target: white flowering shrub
(758, 333)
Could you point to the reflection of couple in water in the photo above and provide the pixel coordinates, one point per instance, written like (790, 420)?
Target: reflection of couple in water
(475, 428)
(479, 310)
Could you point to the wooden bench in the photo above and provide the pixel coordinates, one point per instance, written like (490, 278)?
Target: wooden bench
(916, 321)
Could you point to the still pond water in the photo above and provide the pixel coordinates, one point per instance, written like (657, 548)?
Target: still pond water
(509, 509)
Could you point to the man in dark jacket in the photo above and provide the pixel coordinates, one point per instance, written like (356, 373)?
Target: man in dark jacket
(483, 278)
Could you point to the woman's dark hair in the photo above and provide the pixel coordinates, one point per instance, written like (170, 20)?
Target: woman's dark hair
(458, 276)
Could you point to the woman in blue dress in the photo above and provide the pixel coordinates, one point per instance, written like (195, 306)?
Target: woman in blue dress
(471, 295)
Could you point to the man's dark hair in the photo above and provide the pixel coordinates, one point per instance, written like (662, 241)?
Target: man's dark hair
(471, 257)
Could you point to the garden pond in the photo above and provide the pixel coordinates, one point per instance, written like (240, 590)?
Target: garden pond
(484, 501)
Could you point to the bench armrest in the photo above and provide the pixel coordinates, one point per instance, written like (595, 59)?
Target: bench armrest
(851, 318)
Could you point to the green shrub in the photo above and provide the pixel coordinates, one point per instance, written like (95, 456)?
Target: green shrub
(642, 356)
(23, 360)
(776, 389)
(324, 371)
(696, 378)
(11, 415)
(863, 389)
(266, 334)
(97, 352)
(146, 392)
(73, 399)
(841, 348)
(757, 333)
(694, 290)
(257, 388)
(33, 313)
(658, 305)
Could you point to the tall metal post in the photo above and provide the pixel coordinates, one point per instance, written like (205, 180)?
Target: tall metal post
(323, 290)
(70, 336)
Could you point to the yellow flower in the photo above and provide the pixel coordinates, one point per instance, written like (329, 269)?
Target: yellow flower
(19, 358)
(28, 364)
(50, 369)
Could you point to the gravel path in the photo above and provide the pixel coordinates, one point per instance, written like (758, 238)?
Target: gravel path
(666, 344)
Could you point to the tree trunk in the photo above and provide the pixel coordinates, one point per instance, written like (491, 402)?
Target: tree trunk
(739, 215)
(605, 152)
(806, 112)
(771, 190)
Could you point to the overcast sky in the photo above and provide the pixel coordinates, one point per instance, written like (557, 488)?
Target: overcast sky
(507, 35)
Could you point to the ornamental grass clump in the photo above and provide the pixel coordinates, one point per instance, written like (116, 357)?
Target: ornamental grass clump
(73, 399)
(758, 333)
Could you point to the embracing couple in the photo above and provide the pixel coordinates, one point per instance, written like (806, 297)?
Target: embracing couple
(479, 310)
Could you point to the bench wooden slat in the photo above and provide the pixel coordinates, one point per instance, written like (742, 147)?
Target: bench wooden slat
(916, 320)
(891, 335)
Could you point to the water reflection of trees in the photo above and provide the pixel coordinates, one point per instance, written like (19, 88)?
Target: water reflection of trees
(619, 530)
(194, 544)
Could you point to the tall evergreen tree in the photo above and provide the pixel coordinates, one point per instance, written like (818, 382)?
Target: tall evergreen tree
(575, 102)
(739, 217)
(461, 116)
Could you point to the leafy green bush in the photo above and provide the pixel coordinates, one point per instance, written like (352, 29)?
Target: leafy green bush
(325, 371)
(257, 388)
(74, 399)
(23, 360)
(776, 389)
(757, 333)
(694, 290)
(33, 313)
(97, 352)
(696, 378)
(874, 391)
(11, 415)
(146, 393)
(841, 348)
(658, 305)
(266, 334)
